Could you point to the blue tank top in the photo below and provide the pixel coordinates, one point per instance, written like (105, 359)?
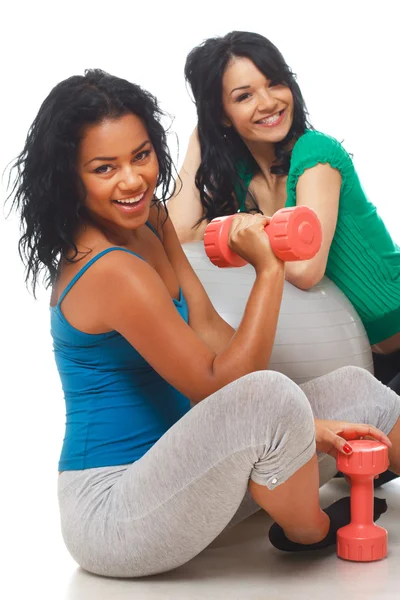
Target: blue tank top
(117, 406)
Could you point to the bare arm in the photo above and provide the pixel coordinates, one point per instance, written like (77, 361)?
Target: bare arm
(203, 318)
(185, 207)
(318, 188)
(143, 312)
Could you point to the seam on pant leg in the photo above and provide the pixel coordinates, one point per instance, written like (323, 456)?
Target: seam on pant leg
(188, 484)
(290, 470)
(266, 480)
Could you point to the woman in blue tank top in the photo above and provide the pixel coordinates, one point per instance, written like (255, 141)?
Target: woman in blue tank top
(147, 482)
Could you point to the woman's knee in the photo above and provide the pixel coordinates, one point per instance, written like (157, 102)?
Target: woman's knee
(374, 403)
(349, 376)
(272, 397)
(274, 385)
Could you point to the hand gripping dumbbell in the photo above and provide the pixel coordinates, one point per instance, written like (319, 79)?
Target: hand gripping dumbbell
(362, 540)
(294, 233)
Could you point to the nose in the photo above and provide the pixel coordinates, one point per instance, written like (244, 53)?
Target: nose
(267, 103)
(130, 178)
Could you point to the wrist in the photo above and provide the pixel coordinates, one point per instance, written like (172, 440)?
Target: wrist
(267, 271)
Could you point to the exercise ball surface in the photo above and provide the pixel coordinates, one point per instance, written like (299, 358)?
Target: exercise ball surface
(318, 330)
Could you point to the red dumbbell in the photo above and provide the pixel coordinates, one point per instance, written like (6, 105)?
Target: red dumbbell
(362, 540)
(294, 233)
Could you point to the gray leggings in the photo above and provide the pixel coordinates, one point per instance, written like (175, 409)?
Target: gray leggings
(159, 512)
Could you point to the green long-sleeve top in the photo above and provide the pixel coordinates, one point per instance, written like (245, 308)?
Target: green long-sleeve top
(363, 260)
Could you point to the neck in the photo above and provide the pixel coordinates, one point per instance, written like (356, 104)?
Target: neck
(264, 155)
(116, 236)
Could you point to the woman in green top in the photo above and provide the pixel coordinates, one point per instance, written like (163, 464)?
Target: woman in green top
(254, 150)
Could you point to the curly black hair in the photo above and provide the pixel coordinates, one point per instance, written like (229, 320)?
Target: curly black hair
(222, 150)
(47, 190)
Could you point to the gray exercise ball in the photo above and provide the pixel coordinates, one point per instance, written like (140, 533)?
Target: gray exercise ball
(318, 330)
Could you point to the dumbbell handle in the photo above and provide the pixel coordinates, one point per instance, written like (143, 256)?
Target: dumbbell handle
(295, 234)
(362, 499)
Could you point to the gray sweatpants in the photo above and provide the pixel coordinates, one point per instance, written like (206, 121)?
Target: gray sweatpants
(159, 512)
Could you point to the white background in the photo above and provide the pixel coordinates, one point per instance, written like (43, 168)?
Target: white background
(346, 57)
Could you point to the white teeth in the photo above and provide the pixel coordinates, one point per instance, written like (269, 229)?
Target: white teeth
(131, 200)
(270, 120)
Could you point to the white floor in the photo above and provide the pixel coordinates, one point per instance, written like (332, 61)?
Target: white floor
(240, 565)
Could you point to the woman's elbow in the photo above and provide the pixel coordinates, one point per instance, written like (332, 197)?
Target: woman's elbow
(305, 279)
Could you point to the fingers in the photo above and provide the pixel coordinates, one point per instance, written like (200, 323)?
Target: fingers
(245, 220)
(338, 443)
(352, 431)
(237, 222)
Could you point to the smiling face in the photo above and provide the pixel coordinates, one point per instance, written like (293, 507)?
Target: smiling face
(119, 169)
(259, 109)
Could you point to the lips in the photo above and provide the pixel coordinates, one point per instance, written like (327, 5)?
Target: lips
(133, 205)
(272, 120)
(131, 200)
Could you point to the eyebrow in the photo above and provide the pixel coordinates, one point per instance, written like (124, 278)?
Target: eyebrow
(104, 158)
(243, 87)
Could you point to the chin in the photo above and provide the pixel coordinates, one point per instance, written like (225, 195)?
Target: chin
(274, 137)
(137, 222)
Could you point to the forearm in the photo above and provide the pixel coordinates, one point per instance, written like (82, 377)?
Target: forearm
(187, 176)
(251, 346)
(185, 207)
(192, 159)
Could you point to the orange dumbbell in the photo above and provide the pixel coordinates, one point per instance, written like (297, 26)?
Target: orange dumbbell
(362, 540)
(294, 233)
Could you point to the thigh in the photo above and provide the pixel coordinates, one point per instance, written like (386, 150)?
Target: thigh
(156, 514)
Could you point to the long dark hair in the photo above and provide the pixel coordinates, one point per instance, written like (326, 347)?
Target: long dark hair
(47, 190)
(222, 150)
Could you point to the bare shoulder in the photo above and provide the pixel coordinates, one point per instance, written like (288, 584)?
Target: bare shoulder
(113, 269)
(118, 266)
(114, 278)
